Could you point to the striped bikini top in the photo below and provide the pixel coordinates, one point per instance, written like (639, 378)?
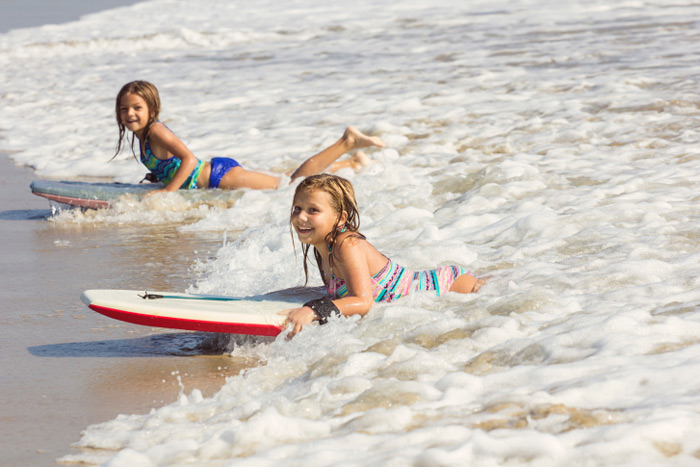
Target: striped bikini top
(338, 289)
(383, 282)
(165, 170)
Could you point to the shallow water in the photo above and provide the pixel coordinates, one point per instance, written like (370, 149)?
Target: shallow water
(66, 366)
(551, 146)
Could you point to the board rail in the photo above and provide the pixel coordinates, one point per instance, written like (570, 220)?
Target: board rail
(188, 324)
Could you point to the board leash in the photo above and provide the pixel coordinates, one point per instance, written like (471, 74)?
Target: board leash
(152, 296)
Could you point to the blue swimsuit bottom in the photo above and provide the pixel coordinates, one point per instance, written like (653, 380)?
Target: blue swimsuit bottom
(220, 167)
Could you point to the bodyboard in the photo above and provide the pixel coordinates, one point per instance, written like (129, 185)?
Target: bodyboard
(257, 316)
(88, 195)
(103, 195)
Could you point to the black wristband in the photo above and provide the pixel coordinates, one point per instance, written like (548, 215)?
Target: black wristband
(323, 307)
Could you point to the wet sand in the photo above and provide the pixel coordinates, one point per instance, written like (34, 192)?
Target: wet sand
(66, 366)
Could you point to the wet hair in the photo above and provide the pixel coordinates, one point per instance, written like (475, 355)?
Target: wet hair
(342, 197)
(149, 93)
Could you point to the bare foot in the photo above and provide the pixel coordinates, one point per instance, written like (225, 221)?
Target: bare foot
(355, 139)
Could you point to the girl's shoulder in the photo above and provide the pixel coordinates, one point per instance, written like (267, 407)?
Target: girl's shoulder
(349, 243)
(160, 135)
(355, 247)
(159, 130)
(351, 239)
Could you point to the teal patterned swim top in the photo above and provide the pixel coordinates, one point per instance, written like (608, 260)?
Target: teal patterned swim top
(165, 170)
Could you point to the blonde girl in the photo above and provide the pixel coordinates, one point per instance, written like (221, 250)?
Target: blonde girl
(356, 275)
(172, 163)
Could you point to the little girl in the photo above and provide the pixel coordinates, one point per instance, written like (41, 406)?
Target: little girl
(325, 216)
(173, 164)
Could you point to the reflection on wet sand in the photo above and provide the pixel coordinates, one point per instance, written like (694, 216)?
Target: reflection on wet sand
(144, 383)
(146, 372)
(142, 257)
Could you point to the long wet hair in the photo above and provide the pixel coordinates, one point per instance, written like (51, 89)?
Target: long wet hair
(342, 196)
(149, 93)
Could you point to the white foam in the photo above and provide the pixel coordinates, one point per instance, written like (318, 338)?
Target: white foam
(549, 145)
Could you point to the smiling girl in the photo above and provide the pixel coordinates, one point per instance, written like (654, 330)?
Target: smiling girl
(356, 275)
(172, 163)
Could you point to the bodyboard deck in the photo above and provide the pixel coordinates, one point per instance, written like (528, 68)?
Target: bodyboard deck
(257, 316)
(103, 195)
(88, 195)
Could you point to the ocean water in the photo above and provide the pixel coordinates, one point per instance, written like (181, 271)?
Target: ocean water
(549, 146)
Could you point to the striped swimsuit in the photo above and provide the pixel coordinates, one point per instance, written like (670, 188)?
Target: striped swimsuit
(165, 170)
(395, 281)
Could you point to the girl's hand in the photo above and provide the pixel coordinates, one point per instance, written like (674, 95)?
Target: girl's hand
(298, 317)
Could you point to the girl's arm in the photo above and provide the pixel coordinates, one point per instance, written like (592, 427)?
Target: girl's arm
(163, 144)
(350, 262)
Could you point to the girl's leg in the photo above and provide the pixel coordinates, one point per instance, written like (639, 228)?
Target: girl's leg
(238, 177)
(466, 283)
(358, 161)
(352, 139)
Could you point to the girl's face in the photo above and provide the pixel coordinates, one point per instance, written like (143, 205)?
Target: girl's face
(134, 113)
(313, 217)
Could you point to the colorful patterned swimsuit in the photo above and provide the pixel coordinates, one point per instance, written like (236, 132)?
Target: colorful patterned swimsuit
(395, 281)
(165, 170)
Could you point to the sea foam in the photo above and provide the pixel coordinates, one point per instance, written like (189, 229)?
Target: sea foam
(549, 146)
